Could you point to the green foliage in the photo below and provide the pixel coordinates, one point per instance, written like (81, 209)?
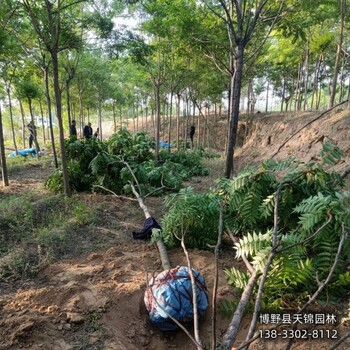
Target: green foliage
(311, 203)
(237, 278)
(193, 215)
(192, 161)
(105, 163)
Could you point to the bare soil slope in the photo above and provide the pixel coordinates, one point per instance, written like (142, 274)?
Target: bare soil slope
(266, 133)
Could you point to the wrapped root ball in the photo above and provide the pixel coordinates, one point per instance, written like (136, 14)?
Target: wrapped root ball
(173, 292)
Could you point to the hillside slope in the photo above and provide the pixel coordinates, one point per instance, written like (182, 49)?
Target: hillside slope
(266, 133)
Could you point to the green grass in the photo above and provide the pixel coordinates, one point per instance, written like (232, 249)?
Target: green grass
(36, 230)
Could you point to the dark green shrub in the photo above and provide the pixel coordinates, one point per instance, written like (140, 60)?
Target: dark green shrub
(93, 162)
(132, 148)
(191, 160)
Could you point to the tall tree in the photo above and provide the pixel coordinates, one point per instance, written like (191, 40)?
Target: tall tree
(343, 10)
(54, 30)
(4, 174)
(241, 19)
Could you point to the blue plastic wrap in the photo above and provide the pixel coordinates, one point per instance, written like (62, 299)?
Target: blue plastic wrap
(173, 292)
(24, 153)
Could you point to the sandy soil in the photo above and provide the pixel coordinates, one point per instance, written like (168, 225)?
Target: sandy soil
(96, 301)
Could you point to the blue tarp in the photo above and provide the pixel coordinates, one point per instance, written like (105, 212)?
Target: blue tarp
(24, 153)
(165, 144)
(173, 291)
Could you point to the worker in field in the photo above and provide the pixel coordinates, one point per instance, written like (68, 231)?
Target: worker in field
(32, 133)
(73, 129)
(192, 131)
(88, 131)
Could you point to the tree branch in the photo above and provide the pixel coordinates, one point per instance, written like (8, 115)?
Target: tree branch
(114, 194)
(245, 260)
(194, 296)
(231, 333)
(160, 244)
(330, 217)
(133, 175)
(345, 173)
(255, 20)
(216, 280)
(341, 340)
(266, 36)
(266, 270)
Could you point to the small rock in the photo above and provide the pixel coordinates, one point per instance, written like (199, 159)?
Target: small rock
(52, 308)
(144, 341)
(73, 317)
(67, 326)
(42, 309)
(60, 327)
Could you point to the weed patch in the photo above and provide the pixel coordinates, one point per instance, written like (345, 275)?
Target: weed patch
(35, 231)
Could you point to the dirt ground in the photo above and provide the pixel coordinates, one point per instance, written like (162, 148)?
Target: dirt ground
(95, 301)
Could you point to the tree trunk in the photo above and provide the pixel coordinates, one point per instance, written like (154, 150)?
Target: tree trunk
(58, 100)
(81, 110)
(267, 97)
(319, 99)
(114, 117)
(206, 129)
(23, 124)
(146, 115)
(153, 122)
(8, 90)
(133, 118)
(338, 54)
(344, 63)
(186, 122)
(121, 116)
(68, 103)
(4, 174)
(236, 83)
(215, 112)
(283, 94)
(170, 116)
(42, 121)
(230, 103)
(306, 76)
(297, 94)
(48, 102)
(157, 96)
(198, 126)
(315, 83)
(137, 118)
(349, 93)
(178, 121)
(250, 95)
(100, 119)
